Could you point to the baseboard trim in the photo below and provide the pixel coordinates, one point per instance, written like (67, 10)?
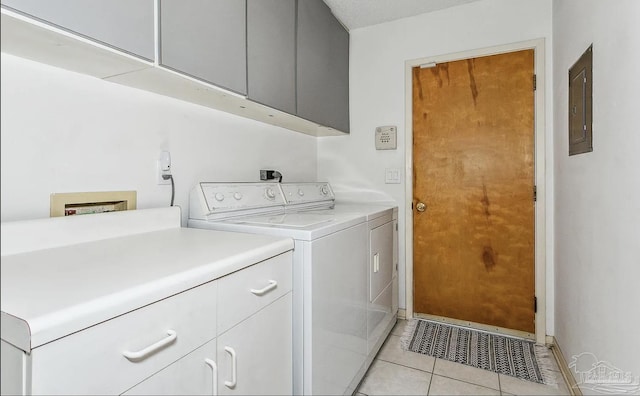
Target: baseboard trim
(571, 382)
(402, 314)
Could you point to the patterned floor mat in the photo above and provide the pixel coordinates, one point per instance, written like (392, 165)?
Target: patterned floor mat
(505, 355)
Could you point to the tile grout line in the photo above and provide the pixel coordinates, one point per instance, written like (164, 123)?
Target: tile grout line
(404, 365)
(468, 382)
(433, 369)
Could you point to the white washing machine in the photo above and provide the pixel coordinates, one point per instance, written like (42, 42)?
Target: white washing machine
(330, 290)
(382, 248)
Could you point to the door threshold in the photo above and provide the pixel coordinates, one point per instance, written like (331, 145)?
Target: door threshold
(477, 326)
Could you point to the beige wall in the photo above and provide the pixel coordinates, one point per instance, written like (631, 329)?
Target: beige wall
(597, 224)
(377, 78)
(66, 132)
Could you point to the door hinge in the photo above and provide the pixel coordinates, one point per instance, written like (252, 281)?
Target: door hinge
(535, 82)
(535, 304)
(535, 193)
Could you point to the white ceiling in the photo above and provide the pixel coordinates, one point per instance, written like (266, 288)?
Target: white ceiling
(360, 13)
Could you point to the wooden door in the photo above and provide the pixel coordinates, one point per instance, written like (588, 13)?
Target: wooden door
(473, 168)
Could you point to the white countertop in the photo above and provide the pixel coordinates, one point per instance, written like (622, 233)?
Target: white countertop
(48, 294)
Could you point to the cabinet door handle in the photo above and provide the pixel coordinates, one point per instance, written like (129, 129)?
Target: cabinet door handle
(234, 368)
(143, 353)
(260, 292)
(214, 369)
(376, 262)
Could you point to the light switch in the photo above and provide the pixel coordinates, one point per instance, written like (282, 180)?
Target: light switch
(392, 176)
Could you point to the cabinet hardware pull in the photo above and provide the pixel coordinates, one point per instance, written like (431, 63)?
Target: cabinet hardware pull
(272, 285)
(136, 356)
(376, 262)
(214, 369)
(234, 366)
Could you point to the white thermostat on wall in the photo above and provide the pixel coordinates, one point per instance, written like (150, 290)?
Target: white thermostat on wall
(386, 138)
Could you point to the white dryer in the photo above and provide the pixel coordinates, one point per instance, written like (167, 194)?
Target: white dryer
(382, 224)
(330, 298)
(382, 248)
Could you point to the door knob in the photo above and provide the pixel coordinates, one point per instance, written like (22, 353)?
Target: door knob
(421, 207)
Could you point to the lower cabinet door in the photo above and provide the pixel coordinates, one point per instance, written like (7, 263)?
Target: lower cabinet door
(255, 357)
(194, 374)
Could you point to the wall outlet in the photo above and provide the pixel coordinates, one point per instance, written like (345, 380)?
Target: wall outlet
(163, 168)
(159, 173)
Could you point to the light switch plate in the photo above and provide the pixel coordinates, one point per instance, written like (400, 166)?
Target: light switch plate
(386, 137)
(392, 176)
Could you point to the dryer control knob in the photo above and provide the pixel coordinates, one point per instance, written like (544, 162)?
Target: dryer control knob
(237, 196)
(324, 190)
(301, 192)
(219, 197)
(269, 193)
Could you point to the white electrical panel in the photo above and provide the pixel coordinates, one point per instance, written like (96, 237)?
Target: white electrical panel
(386, 138)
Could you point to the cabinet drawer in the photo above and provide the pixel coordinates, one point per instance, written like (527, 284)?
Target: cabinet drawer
(92, 361)
(247, 291)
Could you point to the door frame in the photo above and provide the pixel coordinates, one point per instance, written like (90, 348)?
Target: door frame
(538, 45)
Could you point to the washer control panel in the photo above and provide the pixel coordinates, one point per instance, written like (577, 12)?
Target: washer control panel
(224, 197)
(218, 201)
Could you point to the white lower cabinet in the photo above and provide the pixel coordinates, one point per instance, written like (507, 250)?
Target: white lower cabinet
(115, 355)
(255, 357)
(252, 358)
(175, 346)
(252, 354)
(194, 374)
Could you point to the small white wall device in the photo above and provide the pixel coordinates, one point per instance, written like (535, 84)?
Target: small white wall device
(386, 137)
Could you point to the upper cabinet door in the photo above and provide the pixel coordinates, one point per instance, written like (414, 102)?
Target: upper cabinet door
(124, 24)
(206, 39)
(322, 67)
(271, 51)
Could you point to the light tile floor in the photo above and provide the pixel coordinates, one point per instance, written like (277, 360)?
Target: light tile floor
(399, 372)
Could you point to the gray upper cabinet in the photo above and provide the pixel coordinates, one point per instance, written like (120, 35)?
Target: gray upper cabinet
(322, 66)
(206, 39)
(289, 55)
(123, 24)
(271, 52)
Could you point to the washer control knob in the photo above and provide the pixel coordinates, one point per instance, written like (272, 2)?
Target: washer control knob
(269, 193)
(237, 196)
(324, 190)
(301, 192)
(219, 197)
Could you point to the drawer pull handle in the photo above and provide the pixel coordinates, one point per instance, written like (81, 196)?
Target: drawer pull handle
(214, 369)
(234, 366)
(136, 356)
(260, 292)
